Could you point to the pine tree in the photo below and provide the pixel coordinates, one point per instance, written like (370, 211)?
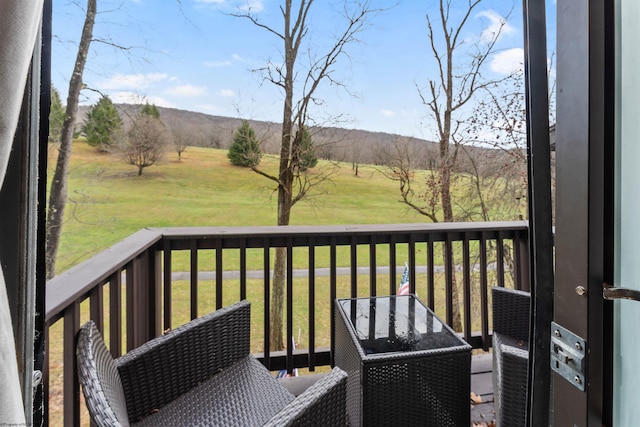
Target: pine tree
(150, 110)
(101, 124)
(245, 149)
(307, 155)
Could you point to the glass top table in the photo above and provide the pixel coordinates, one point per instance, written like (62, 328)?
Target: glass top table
(396, 323)
(404, 365)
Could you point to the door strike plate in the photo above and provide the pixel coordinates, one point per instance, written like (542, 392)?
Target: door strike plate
(568, 355)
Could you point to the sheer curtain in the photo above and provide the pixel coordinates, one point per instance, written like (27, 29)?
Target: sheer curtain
(19, 23)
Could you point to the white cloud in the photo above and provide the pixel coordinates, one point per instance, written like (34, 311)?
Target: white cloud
(497, 24)
(187, 90)
(132, 81)
(216, 64)
(227, 93)
(507, 61)
(136, 98)
(387, 113)
(237, 57)
(253, 6)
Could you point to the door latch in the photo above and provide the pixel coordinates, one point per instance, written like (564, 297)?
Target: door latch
(611, 293)
(568, 355)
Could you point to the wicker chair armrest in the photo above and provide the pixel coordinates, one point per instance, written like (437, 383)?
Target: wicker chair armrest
(166, 367)
(511, 312)
(510, 365)
(322, 404)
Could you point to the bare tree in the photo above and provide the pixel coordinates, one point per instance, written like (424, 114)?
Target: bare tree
(299, 85)
(58, 192)
(181, 135)
(146, 142)
(498, 170)
(459, 66)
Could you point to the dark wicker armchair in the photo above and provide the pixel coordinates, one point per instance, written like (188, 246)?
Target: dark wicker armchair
(199, 374)
(510, 355)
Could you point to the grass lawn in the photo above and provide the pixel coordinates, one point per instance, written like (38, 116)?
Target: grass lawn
(108, 201)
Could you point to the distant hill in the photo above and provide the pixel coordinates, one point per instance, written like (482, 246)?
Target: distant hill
(333, 143)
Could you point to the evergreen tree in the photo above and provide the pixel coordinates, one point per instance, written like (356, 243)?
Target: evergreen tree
(245, 149)
(150, 110)
(307, 155)
(101, 124)
(56, 116)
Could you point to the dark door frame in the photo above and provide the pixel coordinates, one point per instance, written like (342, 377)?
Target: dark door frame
(540, 209)
(22, 221)
(584, 208)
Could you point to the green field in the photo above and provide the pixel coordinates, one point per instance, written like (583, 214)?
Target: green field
(108, 201)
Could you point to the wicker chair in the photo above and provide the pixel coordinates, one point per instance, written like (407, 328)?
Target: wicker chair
(200, 374)
(510, 355)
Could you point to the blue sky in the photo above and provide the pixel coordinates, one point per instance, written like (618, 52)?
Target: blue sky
(193, 55)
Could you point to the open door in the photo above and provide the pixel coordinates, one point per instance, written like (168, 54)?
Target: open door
(582, 332)
(626, 286)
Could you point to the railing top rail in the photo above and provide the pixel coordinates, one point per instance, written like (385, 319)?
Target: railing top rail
(78, 280)
(351, 229)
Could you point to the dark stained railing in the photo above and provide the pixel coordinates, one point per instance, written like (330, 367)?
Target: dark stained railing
(220, 265)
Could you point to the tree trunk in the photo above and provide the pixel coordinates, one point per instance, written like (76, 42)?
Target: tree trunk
(447, 160)
(448, 217)
(280, 266)
(285, 188)
(58, 193)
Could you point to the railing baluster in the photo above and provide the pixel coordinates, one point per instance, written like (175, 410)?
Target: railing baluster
(484, 292)
(193, 278)
(143, 299)
(312, 304)
(517, 261)
(430, 273)
(219, 301)
(449, 273)
(333, 279)
(267, 299)
(523, 260)
(412, 263)
(167, 285)
(115, 313)
(155, 293)
(354, 267)
(466, 280)
(96, 307)
(500, 258)
(373, 268)
(131, 314)
(243, 269)
(289, 337)
(72, 386)
(392, 265)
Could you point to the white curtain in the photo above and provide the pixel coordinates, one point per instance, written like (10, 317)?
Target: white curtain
(19, 23)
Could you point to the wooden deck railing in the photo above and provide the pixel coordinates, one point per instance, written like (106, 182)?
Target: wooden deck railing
(215, 266)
